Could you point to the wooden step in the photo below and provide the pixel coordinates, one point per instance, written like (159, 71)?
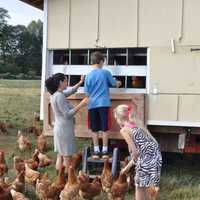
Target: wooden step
(100, 160)
(93, 176)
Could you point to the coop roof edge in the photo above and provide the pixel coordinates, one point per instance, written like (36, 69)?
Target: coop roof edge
(35, 3)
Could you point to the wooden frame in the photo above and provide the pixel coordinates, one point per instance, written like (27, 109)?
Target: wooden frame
(173, 123)
(81, 128)
(45, 58)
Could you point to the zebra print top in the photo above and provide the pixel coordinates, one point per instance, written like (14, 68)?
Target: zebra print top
(144, 143)
(148, 165)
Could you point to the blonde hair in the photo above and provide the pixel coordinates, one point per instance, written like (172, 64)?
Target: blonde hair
(125, 113)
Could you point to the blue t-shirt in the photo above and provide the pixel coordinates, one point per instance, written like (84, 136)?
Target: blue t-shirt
(97, 84)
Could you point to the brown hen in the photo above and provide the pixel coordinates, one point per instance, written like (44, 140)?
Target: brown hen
(119, 188)
(33, 163)
(3, 165)
(5, 194)
(17, 195)
(41, 143)
(19, 183)
(106, 177)
(31, 175)
(71, 189)
(44, 160)
(153, 192)
(18, 164)
(88, 190)
(23, 142)
(36, 124)
(51, 191)
(42, 186)
(3, 127)
(76, 159)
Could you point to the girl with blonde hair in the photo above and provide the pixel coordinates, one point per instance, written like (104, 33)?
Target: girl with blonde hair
(143, 149)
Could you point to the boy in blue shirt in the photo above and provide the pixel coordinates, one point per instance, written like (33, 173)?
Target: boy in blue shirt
(97, 84)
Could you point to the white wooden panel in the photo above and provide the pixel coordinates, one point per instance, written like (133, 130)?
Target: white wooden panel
(118, 23)
(162, 107)
(58, 24)
(191, 28)
(189, 108)
(159, 21)
(84, 23)
(85, 69)
(174, 72)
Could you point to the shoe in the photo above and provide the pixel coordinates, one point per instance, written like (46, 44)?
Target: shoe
(96, 155)
(105, 155)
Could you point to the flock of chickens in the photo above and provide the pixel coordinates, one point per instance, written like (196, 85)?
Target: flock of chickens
(67, 185)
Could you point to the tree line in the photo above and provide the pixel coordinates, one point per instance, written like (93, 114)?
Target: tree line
(20, 48)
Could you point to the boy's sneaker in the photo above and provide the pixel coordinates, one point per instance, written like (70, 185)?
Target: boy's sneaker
(105, 154)
(96, 155)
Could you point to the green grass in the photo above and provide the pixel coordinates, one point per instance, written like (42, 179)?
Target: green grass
(20, 99)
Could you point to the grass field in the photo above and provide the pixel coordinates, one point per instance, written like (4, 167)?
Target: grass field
(19, 99)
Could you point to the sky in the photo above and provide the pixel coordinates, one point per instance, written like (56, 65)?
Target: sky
(21, 13)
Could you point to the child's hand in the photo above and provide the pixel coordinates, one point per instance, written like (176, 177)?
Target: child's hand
(134, 155)
(129, 148)
(123, 171)
(127, 168)
(119, 83)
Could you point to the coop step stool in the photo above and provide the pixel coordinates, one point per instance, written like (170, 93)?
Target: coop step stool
(94, 167)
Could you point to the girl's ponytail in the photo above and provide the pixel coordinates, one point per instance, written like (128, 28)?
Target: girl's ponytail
(128, 113)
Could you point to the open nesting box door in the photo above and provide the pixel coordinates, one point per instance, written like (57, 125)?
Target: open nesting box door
(81, 125)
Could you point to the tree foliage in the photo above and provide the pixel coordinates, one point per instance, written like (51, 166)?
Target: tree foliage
(20, 46)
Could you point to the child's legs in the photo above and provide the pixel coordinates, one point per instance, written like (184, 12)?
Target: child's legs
(105, 139)
(141, 193)
(94, 124)
(95, 138)
(104, 123)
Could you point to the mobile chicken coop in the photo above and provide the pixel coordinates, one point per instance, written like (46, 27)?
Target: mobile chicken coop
(152, 46)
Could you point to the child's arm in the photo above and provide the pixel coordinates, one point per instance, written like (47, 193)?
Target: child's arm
(73, 90)
(112, 81)
(126, 132)
(128, 166)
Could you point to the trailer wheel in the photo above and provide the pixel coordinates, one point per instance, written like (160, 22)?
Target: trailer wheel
(85, 158)
(115, 161)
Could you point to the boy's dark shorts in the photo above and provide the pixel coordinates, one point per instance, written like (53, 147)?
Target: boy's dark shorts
(99, 119)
